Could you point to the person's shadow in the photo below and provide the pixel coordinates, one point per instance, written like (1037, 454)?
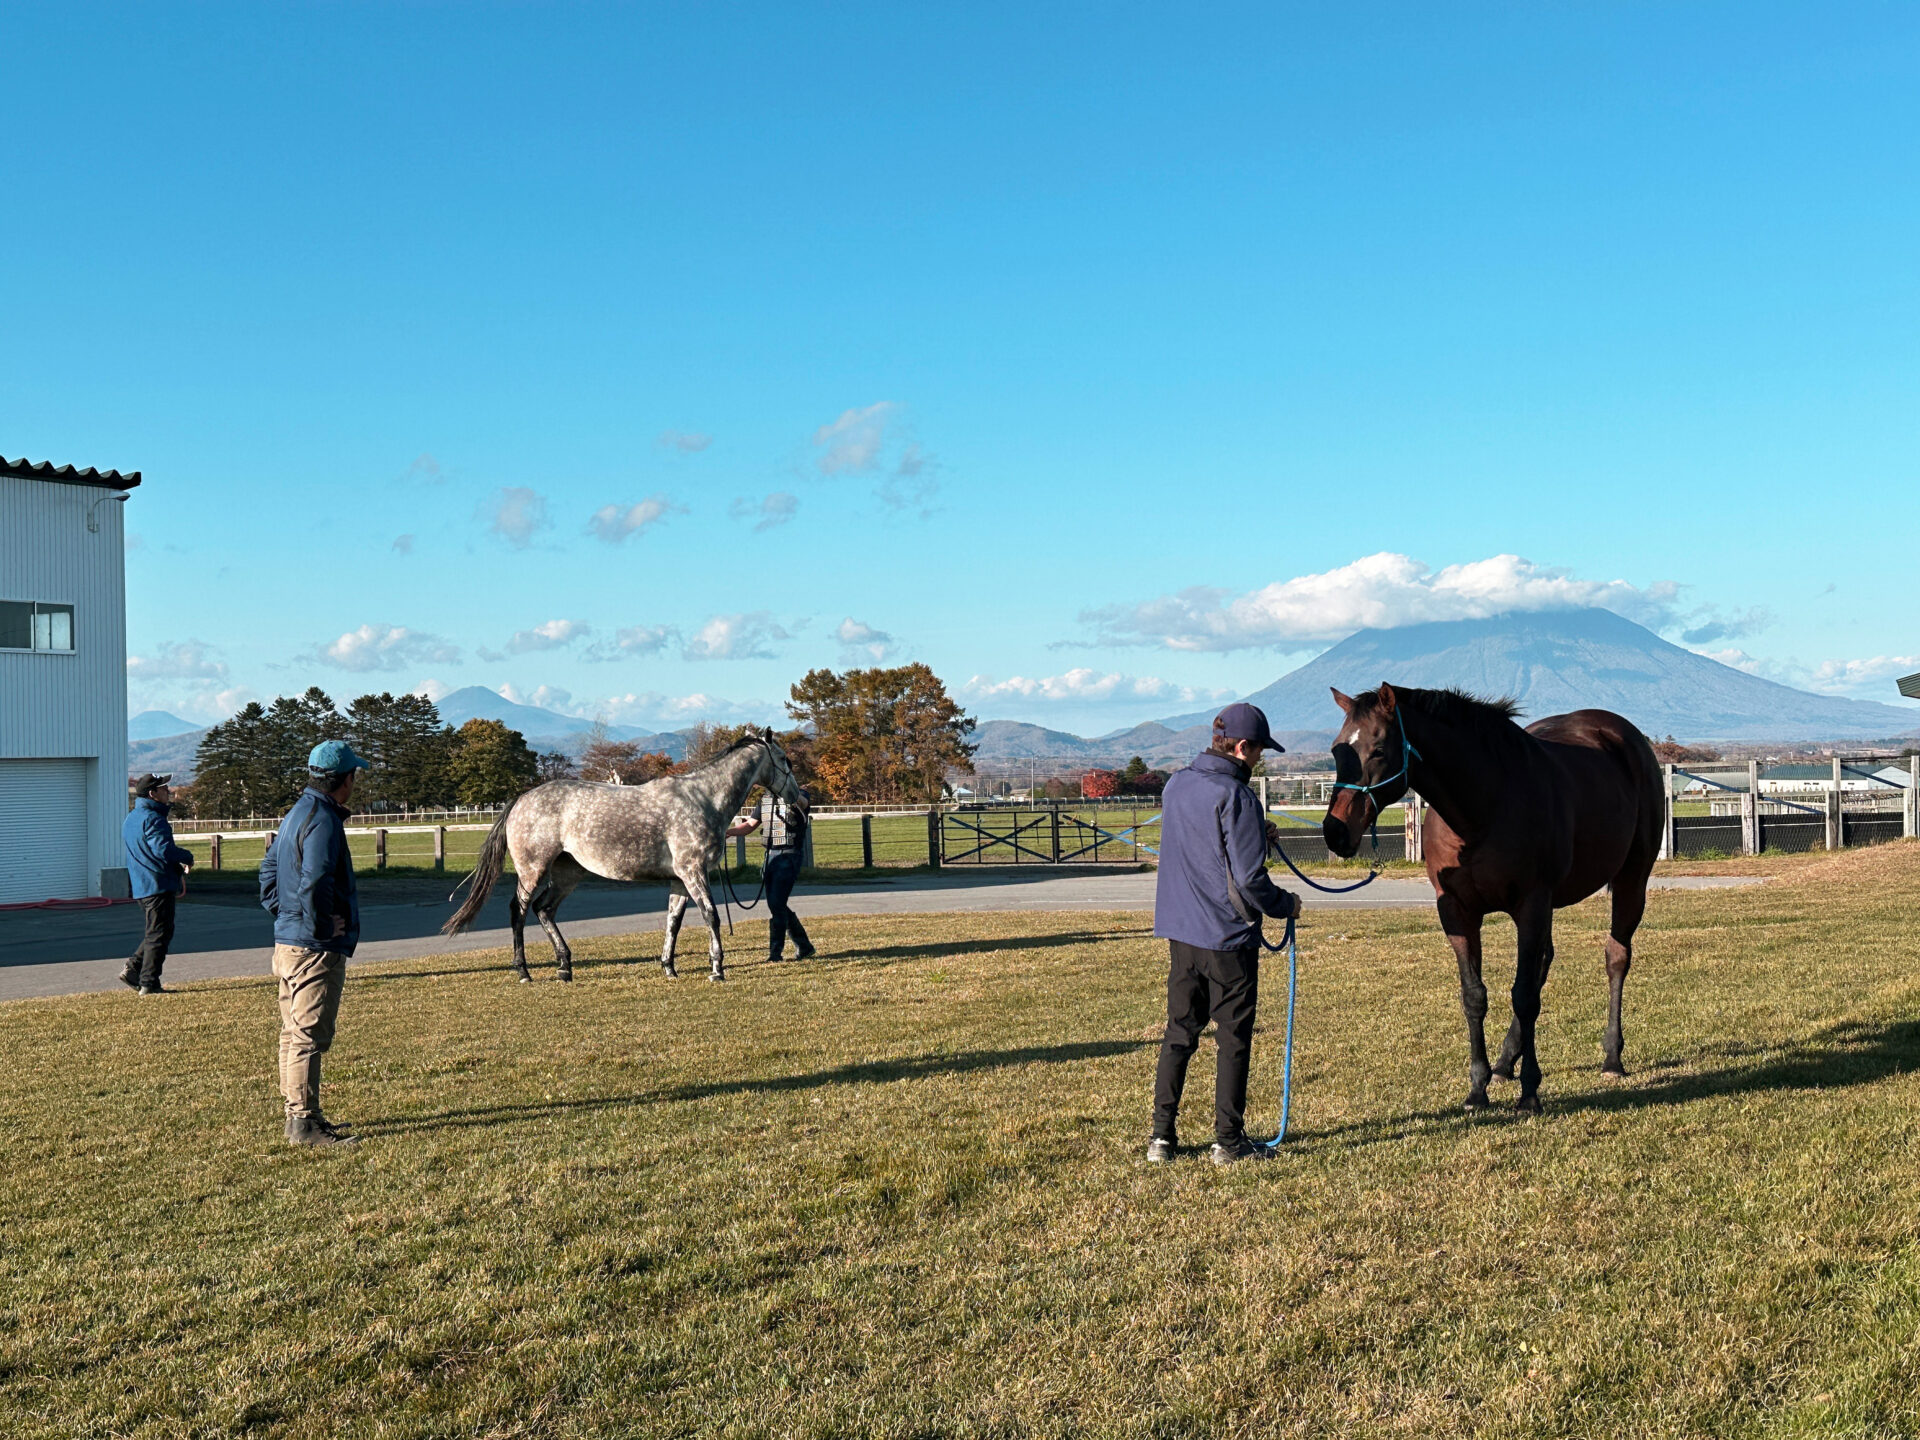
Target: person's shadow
(874, 1072)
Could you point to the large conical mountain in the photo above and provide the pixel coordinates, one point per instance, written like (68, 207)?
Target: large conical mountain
(1558, 660)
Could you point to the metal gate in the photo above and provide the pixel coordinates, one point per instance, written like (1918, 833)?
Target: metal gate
(1048, 835)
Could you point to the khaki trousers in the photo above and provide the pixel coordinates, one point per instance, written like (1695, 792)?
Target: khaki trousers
(310, 984)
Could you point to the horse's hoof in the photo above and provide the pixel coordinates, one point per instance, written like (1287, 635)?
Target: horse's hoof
(716, 977)
(1476, 1101)
(1506, 1072)
(565, 977)
(1528, 1105)
(1615, 1071)
(525, 978)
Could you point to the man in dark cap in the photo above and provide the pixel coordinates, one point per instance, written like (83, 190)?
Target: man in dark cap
(306, 880)
(157, 869)
(1211, 891)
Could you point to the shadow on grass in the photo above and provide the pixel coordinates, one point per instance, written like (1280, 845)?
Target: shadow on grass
(1852, 1052)
(876, 1072)
(975, 947)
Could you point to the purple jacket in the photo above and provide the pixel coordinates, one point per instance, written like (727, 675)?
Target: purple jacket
(1213, 840)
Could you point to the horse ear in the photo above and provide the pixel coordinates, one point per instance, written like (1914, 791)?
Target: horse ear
(1387, 699)
(1345, 702)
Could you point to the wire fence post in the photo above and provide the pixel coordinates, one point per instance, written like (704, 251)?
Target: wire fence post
(866, 842)
(1416, 814)
(1910, 811)
(1836, 827)
(439, 847)
(933, 837)
(1750, 812)
(1666, 824)
(213, 852)
(1056, 832)
(379, 849)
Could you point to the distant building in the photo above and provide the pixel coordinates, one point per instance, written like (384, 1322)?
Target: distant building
(63, 681)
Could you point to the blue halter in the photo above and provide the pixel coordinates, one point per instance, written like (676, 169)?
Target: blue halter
(1407, 756)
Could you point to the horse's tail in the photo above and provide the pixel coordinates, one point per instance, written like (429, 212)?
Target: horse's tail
(485, 872)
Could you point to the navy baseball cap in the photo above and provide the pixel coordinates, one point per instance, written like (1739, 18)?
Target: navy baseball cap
(1241, 721)
(336, 757)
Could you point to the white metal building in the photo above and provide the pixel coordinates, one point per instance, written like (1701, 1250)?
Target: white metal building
(63, 681)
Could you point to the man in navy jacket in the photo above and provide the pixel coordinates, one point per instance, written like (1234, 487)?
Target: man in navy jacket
(1211, 892)
(157, 868)
(306, 880)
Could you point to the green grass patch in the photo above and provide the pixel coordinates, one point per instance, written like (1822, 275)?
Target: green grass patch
(899, 1192)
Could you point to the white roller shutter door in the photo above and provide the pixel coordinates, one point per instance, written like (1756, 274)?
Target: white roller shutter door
(43, 830)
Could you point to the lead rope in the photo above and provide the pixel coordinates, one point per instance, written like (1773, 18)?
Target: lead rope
(1292, 948)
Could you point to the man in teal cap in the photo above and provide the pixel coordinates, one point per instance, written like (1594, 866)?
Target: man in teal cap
(306, 880)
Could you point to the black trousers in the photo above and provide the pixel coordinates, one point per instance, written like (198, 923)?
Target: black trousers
(152, 954)
(1218, 985)
(783, 868)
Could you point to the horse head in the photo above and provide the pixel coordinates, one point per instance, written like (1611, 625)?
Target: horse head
(1370, 759)
(778, 773)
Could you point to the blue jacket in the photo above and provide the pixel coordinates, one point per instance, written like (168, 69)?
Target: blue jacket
(311, 847)
(153, 861)
(1213, 839)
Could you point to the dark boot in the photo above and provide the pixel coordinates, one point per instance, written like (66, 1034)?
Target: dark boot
(130, 974)
(794, 928)
(776, 940)
(315, 1130)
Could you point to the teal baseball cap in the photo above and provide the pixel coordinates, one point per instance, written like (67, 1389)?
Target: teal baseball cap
(336, 757)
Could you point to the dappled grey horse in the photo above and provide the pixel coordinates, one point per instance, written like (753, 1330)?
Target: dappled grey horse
(673, 829)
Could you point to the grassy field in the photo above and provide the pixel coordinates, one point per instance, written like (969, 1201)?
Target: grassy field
(899, 1192)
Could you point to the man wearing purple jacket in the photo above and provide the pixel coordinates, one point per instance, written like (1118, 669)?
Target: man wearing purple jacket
(1212, 890)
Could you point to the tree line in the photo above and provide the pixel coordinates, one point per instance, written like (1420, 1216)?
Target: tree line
(862, 736)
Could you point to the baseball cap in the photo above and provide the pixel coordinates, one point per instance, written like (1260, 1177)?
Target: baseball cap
(141, 784)
(336, 757)
(1241, 721)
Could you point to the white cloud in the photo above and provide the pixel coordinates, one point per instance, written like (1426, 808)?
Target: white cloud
(1874, 675)
(687, 442)
(657, 711)
(186, 677)
(403, 543)
(550, 636)
(911, 485)
(775, 509)
(851, 444)
(385, 647)
(516, 514)
(614, 523)
(749, 636)
(1381, 591)
(434, 690)
(631, 642)
(426, 468)
(1084, 685)
(546, 697)
(860, 640)
(178, 660)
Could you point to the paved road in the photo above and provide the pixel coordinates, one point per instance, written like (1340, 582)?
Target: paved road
(52, 952)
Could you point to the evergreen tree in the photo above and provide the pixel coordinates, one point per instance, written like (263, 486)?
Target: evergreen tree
(490, 763)
(402, 737)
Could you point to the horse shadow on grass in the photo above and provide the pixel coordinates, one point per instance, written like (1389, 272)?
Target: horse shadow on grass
(1847, 1053)
(874, 1072)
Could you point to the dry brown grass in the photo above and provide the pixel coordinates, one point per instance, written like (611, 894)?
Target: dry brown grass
(899, 1192)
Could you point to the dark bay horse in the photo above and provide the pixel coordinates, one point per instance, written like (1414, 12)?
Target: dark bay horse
(671, 829)
(1521, 822)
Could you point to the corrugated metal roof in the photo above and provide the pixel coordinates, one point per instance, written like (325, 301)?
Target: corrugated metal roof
(25, 469)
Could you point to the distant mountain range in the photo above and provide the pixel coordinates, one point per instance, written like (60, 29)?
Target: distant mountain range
(165, 744)
(1550, 662)
(1564, 660)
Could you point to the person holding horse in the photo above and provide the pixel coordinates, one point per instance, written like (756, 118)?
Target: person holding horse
(786, 840)
(1211, 891)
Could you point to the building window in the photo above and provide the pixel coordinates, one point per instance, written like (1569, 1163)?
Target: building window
(34, 625)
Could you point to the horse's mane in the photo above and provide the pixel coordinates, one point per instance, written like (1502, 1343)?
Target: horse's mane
(1449, 705)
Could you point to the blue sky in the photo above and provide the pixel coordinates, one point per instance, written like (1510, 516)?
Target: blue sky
(1108, 359)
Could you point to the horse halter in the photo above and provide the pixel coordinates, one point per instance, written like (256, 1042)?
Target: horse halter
(1407, 756)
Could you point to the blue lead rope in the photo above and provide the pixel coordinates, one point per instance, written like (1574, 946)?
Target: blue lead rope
(1286, 1069)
